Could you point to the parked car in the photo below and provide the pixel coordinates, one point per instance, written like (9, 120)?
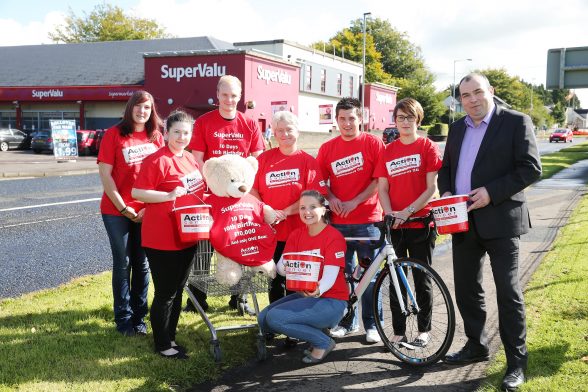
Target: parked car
(42, 141)
(561, 135)
(390, 134)
(580, 132)
(99, 135)
(12, 138)
(86, 141)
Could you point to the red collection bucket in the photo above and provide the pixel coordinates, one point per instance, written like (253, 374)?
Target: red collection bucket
(451, 214)
(302, 271)
(193, 222)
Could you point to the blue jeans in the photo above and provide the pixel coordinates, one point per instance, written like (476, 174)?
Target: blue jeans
(303, 318)
(130, 272)
(355, 251)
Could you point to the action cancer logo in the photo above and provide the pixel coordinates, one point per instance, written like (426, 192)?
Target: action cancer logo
(250, 250)
(136, 154)
(282, 177)
(339, 255)
(402, 165)
(347, 165)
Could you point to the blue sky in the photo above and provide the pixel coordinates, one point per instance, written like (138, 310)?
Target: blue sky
(514, 35)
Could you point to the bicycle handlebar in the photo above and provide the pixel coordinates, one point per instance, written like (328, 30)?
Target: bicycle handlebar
(385, 228)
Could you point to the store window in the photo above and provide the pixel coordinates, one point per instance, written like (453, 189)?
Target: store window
(323, 80)
(308, 77)
(7, 119)
(35, 121)
(339, 83)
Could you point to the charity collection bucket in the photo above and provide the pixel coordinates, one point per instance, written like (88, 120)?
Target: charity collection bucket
(451, 214)
(193, 222)
(302, 271)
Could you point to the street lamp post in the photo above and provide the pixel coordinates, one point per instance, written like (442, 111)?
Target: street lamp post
(365, 15)
(452, 107)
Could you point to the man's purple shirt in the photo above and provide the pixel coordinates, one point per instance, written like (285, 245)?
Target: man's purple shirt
(469, 150)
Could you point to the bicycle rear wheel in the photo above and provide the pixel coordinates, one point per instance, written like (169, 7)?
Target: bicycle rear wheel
(439, 322)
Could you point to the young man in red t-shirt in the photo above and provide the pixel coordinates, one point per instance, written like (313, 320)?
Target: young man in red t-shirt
(407, 176)
(348, 163)
(221, 132)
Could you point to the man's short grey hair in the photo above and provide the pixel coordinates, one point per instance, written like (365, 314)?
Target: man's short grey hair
(472, 75)
(287, 117)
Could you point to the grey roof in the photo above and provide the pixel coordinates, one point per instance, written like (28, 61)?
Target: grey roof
(89, 64)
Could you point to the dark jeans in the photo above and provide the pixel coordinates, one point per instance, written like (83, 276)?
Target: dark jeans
(277, 288)
(130, 272)
(170, 270)
(418, 244)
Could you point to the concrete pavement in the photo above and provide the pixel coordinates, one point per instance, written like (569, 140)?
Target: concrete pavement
(353, 364)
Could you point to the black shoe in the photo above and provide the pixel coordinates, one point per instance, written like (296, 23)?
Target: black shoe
(467, 354)
(180, 348)
(240, 304)
(290, 342)
(178, 355)
(513, 379)
(140, 329)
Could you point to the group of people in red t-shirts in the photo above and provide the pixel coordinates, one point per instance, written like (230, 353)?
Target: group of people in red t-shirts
(343, 192)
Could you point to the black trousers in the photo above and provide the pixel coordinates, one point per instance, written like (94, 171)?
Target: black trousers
(277, 288)
(468, 253)
(169, 271)
(418, 244)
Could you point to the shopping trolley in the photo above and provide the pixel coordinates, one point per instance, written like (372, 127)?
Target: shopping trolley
(202, 277)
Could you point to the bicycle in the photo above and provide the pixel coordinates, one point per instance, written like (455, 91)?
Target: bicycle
(391, 286)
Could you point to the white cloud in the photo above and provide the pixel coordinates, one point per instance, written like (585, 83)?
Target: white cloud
(32, 33)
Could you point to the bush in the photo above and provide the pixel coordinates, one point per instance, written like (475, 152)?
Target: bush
(439, 129)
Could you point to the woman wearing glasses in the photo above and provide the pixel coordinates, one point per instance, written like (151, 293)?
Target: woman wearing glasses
(407, 178)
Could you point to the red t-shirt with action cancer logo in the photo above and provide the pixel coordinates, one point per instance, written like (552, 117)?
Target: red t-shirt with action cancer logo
(406, 167)
(330, 244)
(215, 136)
(125, 154)
(239, 231)
(163, 171)
(281, 179)
(349, 167)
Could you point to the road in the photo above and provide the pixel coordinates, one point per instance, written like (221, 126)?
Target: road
(46, 246)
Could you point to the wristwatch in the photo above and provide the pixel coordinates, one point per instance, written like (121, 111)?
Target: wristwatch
(410, 209)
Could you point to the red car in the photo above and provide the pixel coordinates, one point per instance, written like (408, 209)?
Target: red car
(561, 135)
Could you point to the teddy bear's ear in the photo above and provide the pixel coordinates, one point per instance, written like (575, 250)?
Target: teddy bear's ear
(253, 162)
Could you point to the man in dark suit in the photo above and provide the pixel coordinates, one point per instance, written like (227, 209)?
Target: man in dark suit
(491, 155)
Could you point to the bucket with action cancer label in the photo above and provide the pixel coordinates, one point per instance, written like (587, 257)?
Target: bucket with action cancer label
(451, 214)
(193, 222)
(302, 271)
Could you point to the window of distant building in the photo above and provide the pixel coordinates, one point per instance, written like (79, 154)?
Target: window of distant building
(323, 80)
(351, 86)
(339, 83)
(308, 78)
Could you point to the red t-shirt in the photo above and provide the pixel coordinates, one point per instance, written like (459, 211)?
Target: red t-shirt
(125, 154)
(330, 244)
(406, 167)
(281, 179)
(239, 231)
(349, 167)
(215, 136)
(163, 171)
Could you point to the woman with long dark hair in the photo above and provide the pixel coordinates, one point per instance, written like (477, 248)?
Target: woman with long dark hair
(122, 151)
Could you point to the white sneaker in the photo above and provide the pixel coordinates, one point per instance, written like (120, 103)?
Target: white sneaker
(372, 336)
(339, 331)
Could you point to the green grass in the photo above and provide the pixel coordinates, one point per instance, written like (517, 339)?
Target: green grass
(557, 315)
(63, 339)
(557, 161)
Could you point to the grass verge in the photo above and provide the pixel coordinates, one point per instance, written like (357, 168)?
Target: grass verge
(557, 315)
(63, 339)
(557, 161)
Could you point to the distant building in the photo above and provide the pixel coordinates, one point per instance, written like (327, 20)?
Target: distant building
(577, 118)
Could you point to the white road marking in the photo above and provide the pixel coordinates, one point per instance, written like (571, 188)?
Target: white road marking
(50, 204)
(46, 220)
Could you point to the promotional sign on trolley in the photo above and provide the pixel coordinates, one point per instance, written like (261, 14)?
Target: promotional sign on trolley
(65, 142)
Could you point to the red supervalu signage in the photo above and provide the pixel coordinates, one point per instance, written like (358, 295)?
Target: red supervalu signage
(68, 93)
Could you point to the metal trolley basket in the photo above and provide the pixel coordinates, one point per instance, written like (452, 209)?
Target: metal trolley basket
(202, 277)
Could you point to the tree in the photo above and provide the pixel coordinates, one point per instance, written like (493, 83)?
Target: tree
(391, 59)
(105, 23)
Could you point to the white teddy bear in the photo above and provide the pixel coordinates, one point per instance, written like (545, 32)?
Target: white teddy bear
(241, 233)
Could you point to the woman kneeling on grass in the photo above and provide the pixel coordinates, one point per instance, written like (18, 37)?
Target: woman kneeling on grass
(304, 315)
(165, 176)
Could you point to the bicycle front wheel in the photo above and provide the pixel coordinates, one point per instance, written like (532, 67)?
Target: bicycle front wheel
(433, 313)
